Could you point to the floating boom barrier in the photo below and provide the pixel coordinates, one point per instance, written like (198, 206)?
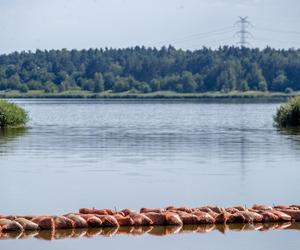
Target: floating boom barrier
(208, 216)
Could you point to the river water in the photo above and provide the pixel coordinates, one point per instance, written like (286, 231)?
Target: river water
(129, 153)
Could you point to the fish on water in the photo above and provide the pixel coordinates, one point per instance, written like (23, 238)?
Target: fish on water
(169, 216)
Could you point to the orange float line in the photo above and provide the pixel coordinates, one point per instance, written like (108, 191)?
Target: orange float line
(147, 217)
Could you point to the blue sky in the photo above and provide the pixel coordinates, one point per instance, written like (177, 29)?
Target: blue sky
(187, 24)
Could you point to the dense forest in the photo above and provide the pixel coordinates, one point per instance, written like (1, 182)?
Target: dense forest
(149, 69)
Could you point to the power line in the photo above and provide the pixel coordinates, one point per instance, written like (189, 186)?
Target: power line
(243, 33)
(213, 32)
(278, 31)
(268, 41)
(202, 37)
(218, 41)
(197, 36)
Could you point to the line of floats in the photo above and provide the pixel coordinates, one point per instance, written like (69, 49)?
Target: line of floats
(107, 222)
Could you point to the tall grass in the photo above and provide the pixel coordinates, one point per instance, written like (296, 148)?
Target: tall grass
(288, 115)
(11, 115)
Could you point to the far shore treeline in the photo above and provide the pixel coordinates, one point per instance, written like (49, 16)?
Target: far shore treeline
(147, 70)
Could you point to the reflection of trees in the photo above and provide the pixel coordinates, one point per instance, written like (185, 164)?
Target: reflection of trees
(292, 138)
(291, 133)
(11, 133)
(8, 136)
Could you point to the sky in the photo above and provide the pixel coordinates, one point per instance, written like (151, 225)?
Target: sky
(187, 24)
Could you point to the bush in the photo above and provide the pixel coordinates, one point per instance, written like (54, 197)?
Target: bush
(23, 88)
(11, 115)
(288, 115)
(288, 90)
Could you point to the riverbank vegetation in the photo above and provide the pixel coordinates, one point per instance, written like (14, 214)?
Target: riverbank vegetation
(151, 70)
(11, 115)
(288, 115)
(257, 95)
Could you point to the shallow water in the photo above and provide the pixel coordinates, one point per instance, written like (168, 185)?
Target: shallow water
(117, 154)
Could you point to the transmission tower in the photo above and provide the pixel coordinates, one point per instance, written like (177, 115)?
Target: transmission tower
(243, 32)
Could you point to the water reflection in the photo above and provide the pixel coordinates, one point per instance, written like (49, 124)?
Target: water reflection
(147, 154)
(9, 137)
(292, 133)
(138, 231)
(7, 134)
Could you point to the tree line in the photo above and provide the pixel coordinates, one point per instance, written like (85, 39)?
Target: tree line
(150, 69)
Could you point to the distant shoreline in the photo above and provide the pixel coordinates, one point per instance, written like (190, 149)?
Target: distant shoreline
(255, 95)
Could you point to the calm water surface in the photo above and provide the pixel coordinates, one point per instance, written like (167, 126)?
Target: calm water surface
(94, 153)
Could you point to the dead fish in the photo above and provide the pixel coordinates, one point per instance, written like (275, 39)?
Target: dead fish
(188, 219)
(127, 211)
(205, 209)
(295, 214)
(173, 219)
(27, 224)
(108, 221)
(9, 225)
(246, 217)
(158, 219)
(261, 207)
(231, 210)
(123, 221)
(217, 209)
(44, 222)
(222, 218)
(268, 216)
(141, 220)
(78, 221)
(184, 209)
(96, 211)
(240, 208)
(94, 222)
(204, 218)
(62, 222)
(281, 216)
(150, 210)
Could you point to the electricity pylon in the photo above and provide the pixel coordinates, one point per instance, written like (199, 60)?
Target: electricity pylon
(243, 33)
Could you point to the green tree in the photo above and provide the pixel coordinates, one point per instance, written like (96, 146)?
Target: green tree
(280, 83)
(23, 88)
(121, 85)
(109, 80)
(50, 87)
(200, 82)
(169, 69)
(262, 86)
(13, 82)
(88, 85)
(189, 85)
(255, 78)
(244, 86)
(144, 87)
(99, 83)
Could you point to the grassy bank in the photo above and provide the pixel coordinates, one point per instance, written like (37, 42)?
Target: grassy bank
(288, 115)
(160, 94)
(11, 115)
